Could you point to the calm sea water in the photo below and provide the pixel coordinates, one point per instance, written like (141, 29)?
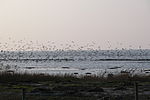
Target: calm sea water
(77, 62)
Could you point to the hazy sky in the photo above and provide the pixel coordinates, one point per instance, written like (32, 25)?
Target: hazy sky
(82, 21)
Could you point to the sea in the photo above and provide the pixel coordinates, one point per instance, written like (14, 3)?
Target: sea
(77, 62)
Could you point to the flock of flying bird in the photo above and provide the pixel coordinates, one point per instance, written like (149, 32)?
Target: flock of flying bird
(24, 51)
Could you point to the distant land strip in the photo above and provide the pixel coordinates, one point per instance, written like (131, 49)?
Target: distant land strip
(66, 59)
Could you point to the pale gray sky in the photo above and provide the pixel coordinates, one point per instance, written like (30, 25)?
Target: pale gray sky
(83, 21)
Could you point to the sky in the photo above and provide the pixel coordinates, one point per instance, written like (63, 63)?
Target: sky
(119, 23)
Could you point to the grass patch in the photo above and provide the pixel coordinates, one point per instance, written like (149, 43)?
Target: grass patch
(70, 87)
